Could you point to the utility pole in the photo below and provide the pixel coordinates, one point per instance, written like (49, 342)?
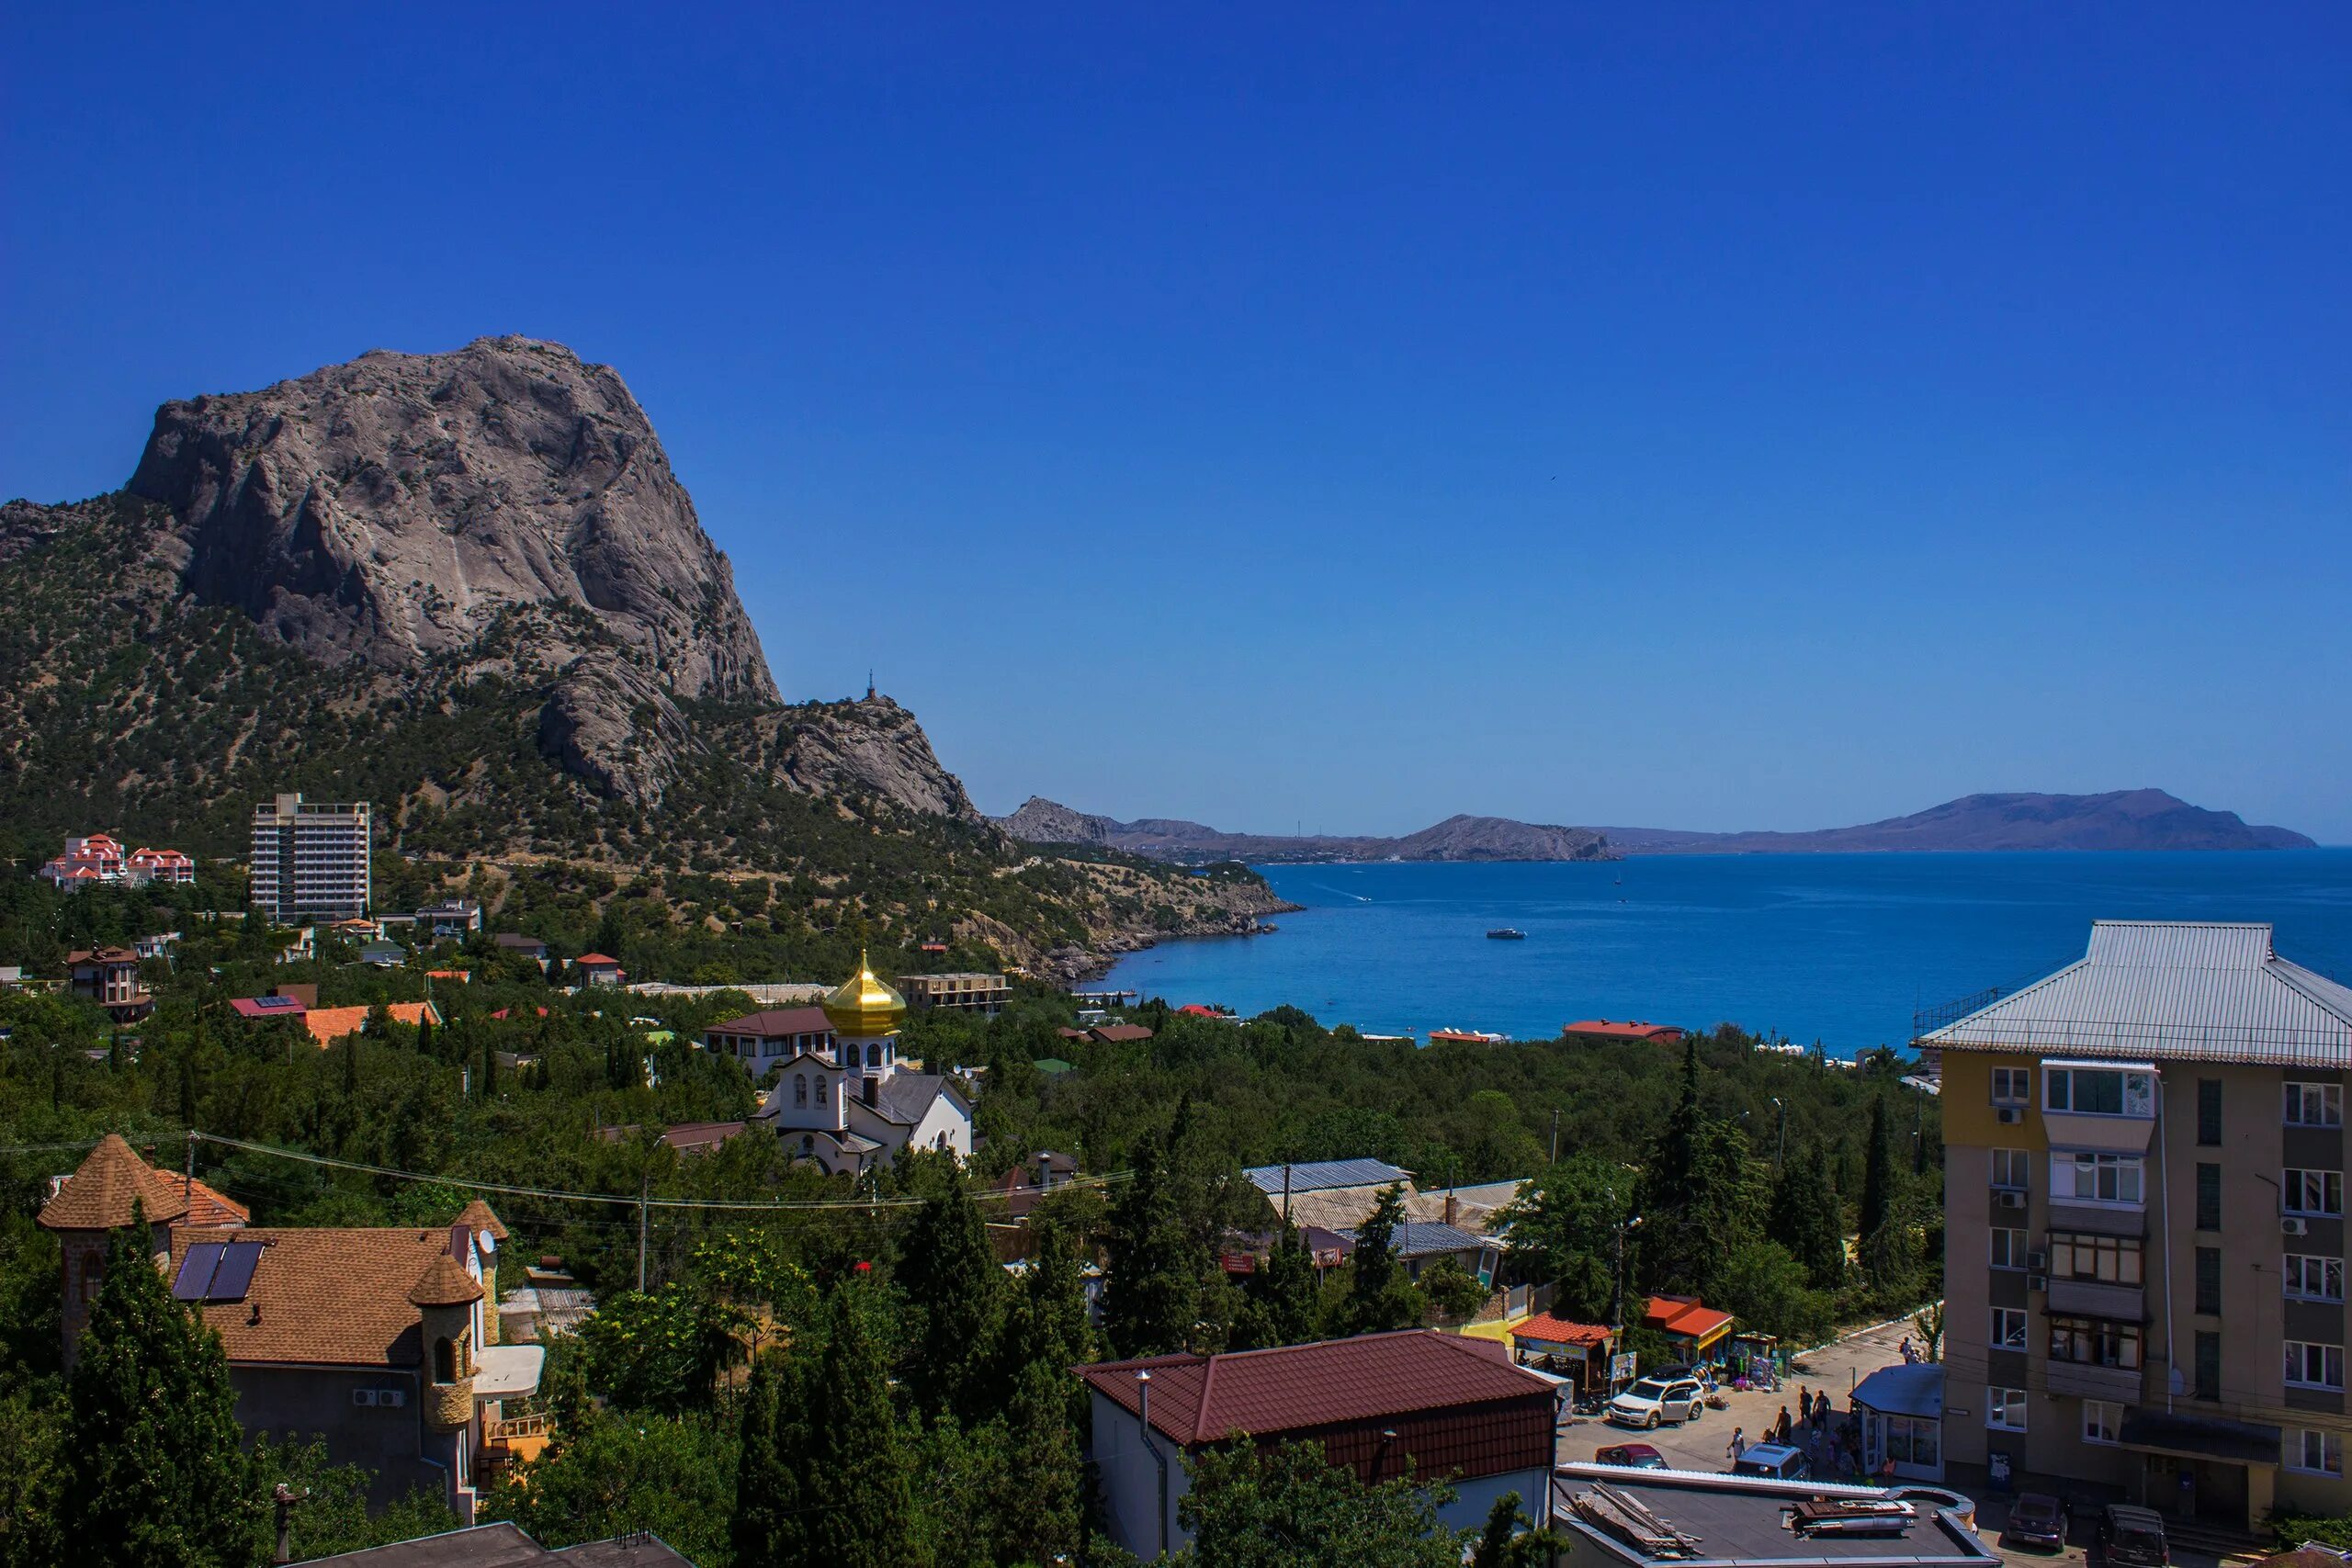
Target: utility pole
(644, 1185)
(1556, 1135)
(1782, 1158)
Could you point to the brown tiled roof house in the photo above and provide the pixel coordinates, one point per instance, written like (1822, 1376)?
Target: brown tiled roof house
(380, 1339)
(1454, 1408)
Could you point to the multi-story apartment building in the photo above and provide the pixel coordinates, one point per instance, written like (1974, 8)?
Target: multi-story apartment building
(2144, 1225)
(310, 860)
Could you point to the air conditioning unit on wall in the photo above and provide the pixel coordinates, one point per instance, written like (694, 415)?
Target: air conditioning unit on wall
(363, 1397)
(2010, 1198)
(2291, 1225)
(2037, 1281)
(2009, 1115)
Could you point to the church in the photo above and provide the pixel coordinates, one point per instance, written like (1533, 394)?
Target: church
(851, 1106)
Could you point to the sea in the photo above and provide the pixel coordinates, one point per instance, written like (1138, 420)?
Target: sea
(1842, 949)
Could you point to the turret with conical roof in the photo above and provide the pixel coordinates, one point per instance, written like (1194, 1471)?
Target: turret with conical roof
(443, 1296)
(111, 1190)
(483, 1221)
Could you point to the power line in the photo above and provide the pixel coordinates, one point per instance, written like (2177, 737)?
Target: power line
(767, 1206)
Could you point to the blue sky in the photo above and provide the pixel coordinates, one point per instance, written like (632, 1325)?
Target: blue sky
(1710, 416)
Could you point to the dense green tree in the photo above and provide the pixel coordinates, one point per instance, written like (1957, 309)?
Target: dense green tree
(1566, 1231)
(661, 1350)
(1282, 1307)
(1805, 1218)
(157, 1480)
(1451, 1290)
(954, 1291)
(1045, 1319)
(1766, 1288)
(333, 1515)
(1695, 1191)
(1043, 1506)
(1284, 1507)
(869, 1519)
(1877, 1198)
(1509, 1540)
(33, 1435)
(777, 1469)
(1379, 1296)
(1151, 1296)
(613, 1474)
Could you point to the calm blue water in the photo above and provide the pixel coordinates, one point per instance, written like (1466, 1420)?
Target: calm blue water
(1839, 948)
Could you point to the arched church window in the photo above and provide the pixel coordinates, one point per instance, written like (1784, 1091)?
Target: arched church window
(874, 1056)
(820, 1088)
(800, 1088)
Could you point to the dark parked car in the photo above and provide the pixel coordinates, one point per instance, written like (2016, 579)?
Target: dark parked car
(1633, 1456)
(2132, 1538)
(2036, 1519)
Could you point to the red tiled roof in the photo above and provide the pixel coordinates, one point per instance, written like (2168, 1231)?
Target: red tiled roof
(587, 959)
(205, 1205)
(1552, 1330)
(1670, 1316)
(328, 1025)
(1197, 1011)
(1119, 1033)
(774, 1021)
(1452, 1406)
(1293, 1388)
(1620, 1029)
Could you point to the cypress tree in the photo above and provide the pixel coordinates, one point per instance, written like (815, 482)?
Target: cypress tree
(1878, 1172)
(425, 1036)
(1379, 1295)
(1043, 1466)
(868, 1520)
(774, 1476)
(1805, 1218)
(1153, 1294)
(1046, 1320)
(954, 1289)
(1283, 1294)
(157, 1479)
(1695, 1189)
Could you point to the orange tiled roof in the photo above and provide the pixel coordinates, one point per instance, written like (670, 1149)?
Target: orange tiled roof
(1549, 1330)
(477, 1215)
(328, 1025)
(334, 1297)
(206, 1206)
(445, 1282)
(99, 1195)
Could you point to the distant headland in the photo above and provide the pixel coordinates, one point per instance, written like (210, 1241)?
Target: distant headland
(2120, 820)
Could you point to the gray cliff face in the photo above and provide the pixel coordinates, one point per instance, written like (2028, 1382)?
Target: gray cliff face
(873, 745)
(504, 509)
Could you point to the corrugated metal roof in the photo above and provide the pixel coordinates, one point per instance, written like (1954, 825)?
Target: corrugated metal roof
(2183, 989)
(1318, 1176)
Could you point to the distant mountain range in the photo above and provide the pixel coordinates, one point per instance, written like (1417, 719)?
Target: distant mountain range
(2121, 819)
(1041, 821)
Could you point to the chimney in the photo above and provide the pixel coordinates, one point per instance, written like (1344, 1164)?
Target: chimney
(1449, 1205)
(285, 1497)
(868, 1092)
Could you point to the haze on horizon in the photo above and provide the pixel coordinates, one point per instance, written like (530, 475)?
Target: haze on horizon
(1717, 419)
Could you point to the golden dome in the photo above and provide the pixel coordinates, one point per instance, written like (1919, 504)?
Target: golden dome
(862, 1005)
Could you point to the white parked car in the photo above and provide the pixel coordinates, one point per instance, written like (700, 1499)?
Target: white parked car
(1653, 1402)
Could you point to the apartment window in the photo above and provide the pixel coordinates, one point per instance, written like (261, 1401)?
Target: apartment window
(2095, 1342)
(2313, 1279)
(2209, 1111)
(2008, 1248)
(2313, 1191)
(2315, 1452)
(2314, 1366)
(2105, 1259)
(2089, 1177)
(2208, 1361)
(2209, 1280)
(2315, 1105)
(2004, 1408)
(2101, 1421)
(2009, 1329)
(2100, 1092)
(2012, 1086)
(2012, 1167)
(2209, 1197)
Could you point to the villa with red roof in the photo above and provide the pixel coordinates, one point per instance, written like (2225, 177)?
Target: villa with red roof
(1624, 1029)
(1450, 1407)
(92, 858)
(600, 969)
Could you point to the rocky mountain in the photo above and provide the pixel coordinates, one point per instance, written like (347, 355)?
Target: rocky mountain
(469, 588)
(1042, 821)
(2125, 819)
(2121, 819)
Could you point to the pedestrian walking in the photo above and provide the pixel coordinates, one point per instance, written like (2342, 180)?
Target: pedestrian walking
(1737, 1446)
(1821, 1410)
(1804, 1405)
(1781, 1427)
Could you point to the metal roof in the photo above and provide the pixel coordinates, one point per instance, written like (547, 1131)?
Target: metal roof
(1414, 1239)
(1321, 1175)
(2181, 989)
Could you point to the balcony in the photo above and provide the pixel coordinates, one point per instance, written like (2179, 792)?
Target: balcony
(2090, 1298)
(2080, 1380)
